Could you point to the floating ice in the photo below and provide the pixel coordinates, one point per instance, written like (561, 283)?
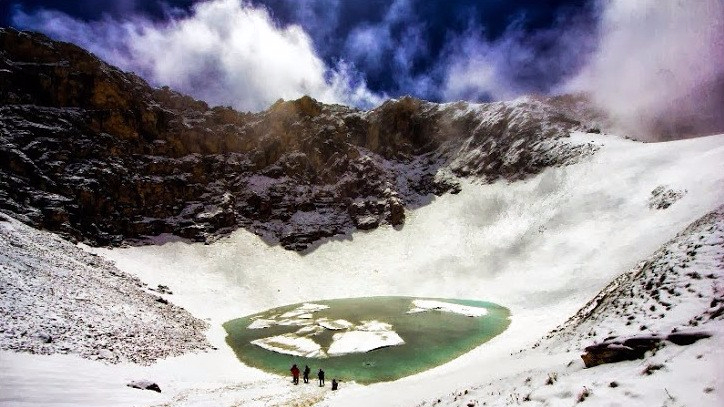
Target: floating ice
(429, 305)
(303, 309)
(291, 344)
(310, 330)
(370, 335)
(295, 322)
(262, 323)
(335, 325)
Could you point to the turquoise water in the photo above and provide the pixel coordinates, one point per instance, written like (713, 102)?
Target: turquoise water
(431, 338)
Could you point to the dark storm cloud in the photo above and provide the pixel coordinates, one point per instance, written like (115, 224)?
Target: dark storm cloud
(400, 44)
(391, 47)
(654, 66)
(89, 10)
(397, 45)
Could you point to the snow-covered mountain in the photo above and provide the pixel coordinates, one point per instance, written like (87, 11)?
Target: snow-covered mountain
(596, 243)
(98, 155)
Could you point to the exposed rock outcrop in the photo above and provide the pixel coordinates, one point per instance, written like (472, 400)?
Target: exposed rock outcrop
(144, 385)
(635, 347)
(98, 155)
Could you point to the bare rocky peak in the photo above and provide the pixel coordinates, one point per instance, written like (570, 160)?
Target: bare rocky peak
(98, 155)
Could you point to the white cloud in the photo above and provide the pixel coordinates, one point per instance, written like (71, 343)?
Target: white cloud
(476, 69)
(224, 52)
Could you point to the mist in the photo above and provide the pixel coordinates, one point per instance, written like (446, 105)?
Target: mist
(658, 68)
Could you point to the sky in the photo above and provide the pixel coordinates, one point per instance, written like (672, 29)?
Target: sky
(640, 60)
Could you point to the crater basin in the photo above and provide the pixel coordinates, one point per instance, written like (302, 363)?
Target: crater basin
(366, 340)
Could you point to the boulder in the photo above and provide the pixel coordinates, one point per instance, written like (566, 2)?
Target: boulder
(615, 349)
(620, 349)
(687, 338)
(144, 385)
(610, 353)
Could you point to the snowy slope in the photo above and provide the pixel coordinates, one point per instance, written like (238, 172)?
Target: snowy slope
(679, 288)
(543, 247)
(57, 298)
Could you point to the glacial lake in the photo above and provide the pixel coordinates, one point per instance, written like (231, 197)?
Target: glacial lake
(366, 340)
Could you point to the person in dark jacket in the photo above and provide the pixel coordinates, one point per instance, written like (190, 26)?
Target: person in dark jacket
(306, 373)
(335, 384)
(295, 374)
(320, 375)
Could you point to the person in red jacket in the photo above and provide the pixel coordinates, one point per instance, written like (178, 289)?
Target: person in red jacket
(295, 374)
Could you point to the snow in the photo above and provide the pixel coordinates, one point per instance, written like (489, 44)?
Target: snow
(262, 323)
(291, 344)
(430, 305)
(303, 310)
(543, 247)
(369, 336)
(294, 321)
(300, 316)
(335, 325)
(57, 298)
(310, 330)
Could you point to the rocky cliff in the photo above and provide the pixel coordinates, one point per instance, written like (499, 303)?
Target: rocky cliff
(98, 155)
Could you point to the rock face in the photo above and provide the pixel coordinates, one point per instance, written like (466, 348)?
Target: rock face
(99, 156)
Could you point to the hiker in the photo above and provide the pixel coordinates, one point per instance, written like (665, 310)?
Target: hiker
(295, 374)
(335, 384)
(320, 375)
(306, 373)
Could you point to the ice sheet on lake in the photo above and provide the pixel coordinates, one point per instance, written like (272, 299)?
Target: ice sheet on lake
(303, 309)
(429, 305)
(310, 330)
(262, 323)
(295, 322)
(335, 325)
(291, 344)
(300, 316)
(370, 335)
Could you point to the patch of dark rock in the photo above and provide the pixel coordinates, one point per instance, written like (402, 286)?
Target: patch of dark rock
(635, 347)
(162, 300)
(662, 197)
(144, 385)
(552, 378)
(163, 289)
(613, 384)
(717, 313)
(583, 395)
(650, 369)
(45, 337)
(619, 350)
(687, 338)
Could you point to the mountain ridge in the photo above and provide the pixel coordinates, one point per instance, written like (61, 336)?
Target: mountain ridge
(100, 156)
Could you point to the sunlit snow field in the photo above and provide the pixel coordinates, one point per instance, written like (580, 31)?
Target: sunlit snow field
(541, 247)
